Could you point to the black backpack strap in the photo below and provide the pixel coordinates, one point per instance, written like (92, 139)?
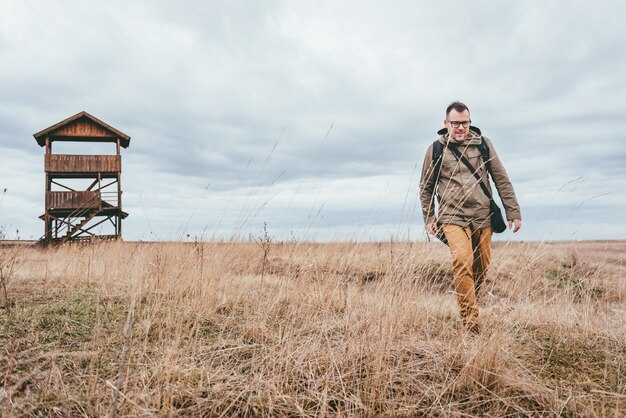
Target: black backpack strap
(484, 152)
(437, 158)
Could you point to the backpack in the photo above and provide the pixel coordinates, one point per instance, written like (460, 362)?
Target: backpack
(438, 151)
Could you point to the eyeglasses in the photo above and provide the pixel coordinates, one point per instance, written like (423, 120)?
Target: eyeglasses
(457, 123)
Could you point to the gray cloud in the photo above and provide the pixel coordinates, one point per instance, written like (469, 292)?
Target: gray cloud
(230, 107)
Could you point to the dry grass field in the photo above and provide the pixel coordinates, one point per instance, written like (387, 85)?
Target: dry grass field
(299, 329)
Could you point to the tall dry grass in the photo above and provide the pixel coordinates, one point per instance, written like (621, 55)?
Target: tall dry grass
(299, 329)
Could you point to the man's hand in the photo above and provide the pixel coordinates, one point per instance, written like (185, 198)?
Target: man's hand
(431, 228)
(517, 223)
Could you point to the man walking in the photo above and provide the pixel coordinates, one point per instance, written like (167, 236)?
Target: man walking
(464, 213)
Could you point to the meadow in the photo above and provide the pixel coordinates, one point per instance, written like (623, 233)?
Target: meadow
(265, 328)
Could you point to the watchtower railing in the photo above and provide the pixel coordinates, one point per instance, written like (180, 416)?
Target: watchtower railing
(69, 163)
(73, 200)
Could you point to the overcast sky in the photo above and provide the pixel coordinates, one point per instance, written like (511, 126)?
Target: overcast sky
(314, 116)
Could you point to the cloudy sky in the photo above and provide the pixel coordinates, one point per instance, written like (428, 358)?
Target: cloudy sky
(314, 116)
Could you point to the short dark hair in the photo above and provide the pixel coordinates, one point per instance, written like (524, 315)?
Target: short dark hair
(458, 106)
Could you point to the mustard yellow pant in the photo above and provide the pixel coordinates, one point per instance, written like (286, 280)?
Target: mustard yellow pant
(471, 254)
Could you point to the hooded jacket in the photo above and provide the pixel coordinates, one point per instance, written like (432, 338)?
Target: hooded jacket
(461, 200)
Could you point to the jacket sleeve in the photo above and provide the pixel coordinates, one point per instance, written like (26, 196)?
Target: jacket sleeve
(427, 187)
(503, 184)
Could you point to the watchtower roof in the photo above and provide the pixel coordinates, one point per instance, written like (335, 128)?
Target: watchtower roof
(82, 127)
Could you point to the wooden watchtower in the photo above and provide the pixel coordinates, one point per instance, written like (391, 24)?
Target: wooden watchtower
(82, 191)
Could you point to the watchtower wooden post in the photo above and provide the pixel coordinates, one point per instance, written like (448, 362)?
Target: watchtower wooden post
(72, 213)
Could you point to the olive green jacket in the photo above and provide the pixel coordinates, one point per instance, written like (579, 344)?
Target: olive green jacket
(461, 199)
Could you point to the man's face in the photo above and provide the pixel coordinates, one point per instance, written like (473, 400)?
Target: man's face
(458, 133)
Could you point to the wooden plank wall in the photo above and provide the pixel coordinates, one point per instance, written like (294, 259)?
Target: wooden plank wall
(63, 163)
(82, 127)
(72, 200)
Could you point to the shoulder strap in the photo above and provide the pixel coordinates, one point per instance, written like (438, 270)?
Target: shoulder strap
(460, 156)
(437, 158)
(484, 152)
